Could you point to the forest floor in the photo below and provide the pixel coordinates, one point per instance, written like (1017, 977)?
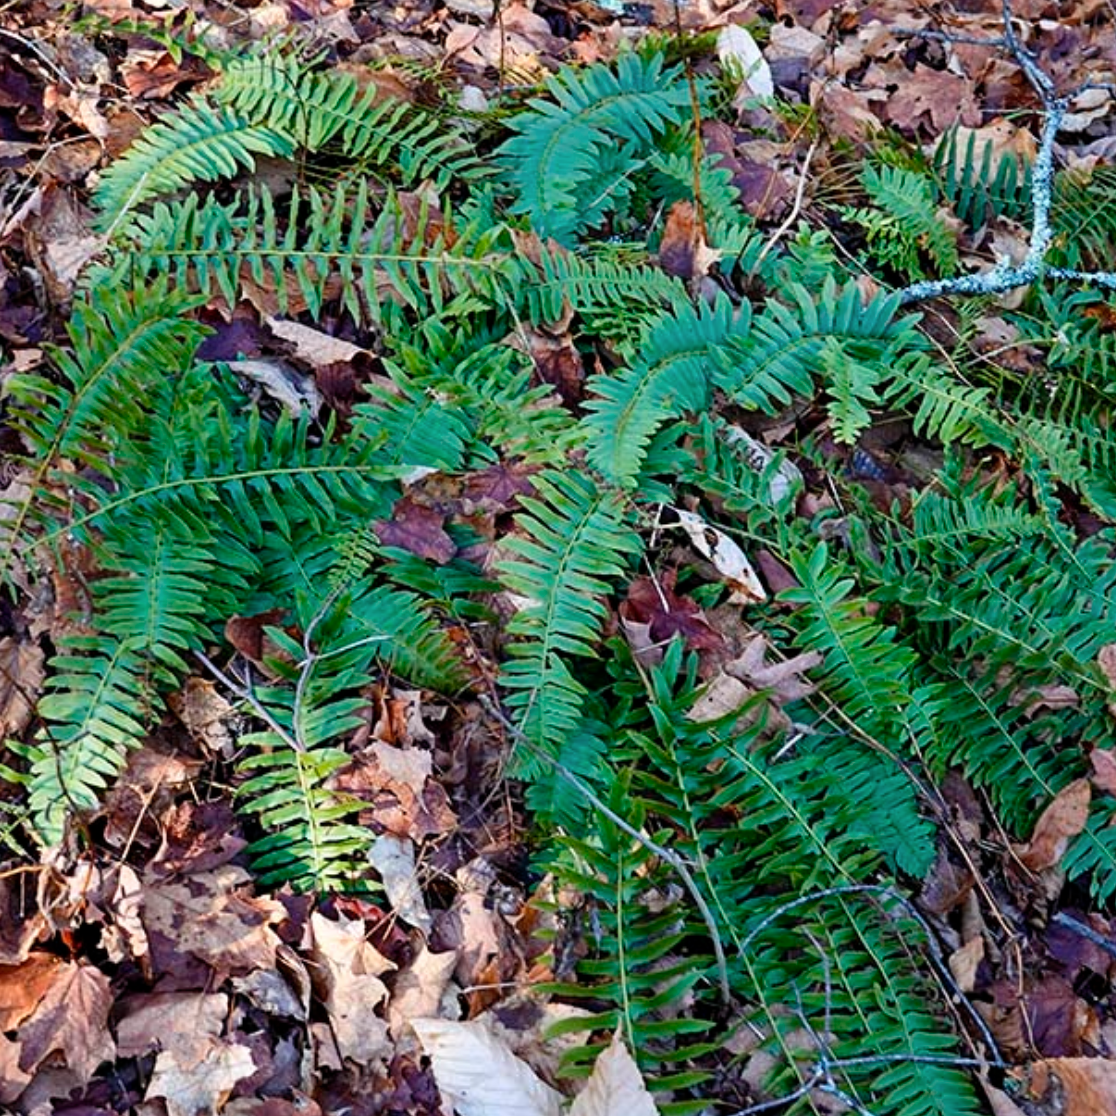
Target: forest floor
(143, 925)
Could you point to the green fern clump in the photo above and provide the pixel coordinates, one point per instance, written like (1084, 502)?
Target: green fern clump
(903, 226)
(571, 157)
(573, 538)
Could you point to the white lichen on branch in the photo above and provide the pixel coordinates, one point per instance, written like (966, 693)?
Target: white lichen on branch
(1006, 276)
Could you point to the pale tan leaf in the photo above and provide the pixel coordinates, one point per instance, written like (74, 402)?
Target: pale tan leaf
(394, 860)
(168, 1020)
(615, 1087)
(348, 979)
(198, 1075)
(1104, 770)
(744, 60)
(963, 963)
(420, 988)
(206, 715)
(1062, 820)
(723, 695)
(479, 1075)
(314, 346)
(21, 679)
(727, 558)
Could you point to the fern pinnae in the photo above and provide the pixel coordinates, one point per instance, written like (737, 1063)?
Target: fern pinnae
(671, 375)
(201, 142)
(575, 539)
(552, 160)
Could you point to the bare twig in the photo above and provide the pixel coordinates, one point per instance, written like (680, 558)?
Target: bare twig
(796, 209)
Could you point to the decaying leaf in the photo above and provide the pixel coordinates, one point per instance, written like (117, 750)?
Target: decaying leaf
(198, 1074)
(206, 715)
(738, 51)
(615, 1087)
(296, 392)
(1061, 821)
(313, 345)
(347, 977)
(22, 674)
(419, 989)
(479, 1075)
(207, 916)
(727, 558)
(1076, 1086)
(393, 858)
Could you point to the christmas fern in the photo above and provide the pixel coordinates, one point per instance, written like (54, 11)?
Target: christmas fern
(573, 537)
(571, 156)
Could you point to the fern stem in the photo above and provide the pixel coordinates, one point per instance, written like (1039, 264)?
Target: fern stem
(660, 851)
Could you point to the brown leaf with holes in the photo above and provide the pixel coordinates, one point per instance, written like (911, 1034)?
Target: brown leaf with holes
(1059, 823)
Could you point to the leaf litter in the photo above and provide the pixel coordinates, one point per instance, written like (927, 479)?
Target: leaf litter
(143, 972)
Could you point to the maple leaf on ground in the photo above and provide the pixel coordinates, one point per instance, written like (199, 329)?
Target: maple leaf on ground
(199, 1073)
(347, 971)
(70, 1022)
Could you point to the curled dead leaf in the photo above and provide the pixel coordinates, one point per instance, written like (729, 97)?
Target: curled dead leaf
(1061, 821)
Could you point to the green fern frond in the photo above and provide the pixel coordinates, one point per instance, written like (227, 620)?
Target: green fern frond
(483, 389)
(312, 245)
(97, 709)
(124, 341)
(606, 287)
(310, 843)
(573, 540)
(979, 194)
(672, 373)
(200, 142)
(907, 198)
(783, 350)
(867, 669)
(390, 138)
(944, 408)
(554, 161)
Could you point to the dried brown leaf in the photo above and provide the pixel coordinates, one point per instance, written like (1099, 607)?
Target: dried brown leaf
(479, 1075)
(347, 976)
(199, 1074)
(71, 1022)
(1061, 821)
